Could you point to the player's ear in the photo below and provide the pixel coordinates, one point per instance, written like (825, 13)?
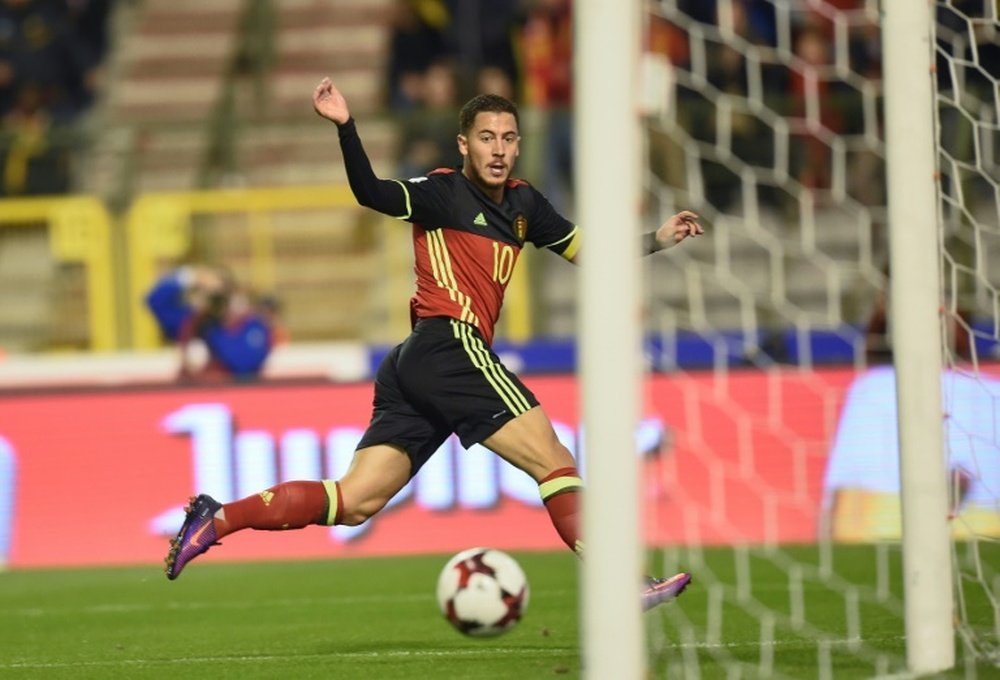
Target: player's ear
(463, 145)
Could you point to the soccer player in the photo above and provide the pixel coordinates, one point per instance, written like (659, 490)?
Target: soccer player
(469, 226)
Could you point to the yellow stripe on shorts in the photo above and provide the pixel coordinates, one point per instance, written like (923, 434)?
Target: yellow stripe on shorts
(508, 392)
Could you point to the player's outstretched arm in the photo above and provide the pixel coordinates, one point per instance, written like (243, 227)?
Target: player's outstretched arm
(386, 196)
(679, 227)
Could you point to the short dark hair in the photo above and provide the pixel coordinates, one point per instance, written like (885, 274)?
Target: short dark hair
(492, 103)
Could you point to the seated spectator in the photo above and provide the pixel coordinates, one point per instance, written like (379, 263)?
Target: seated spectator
(546, 41)
(204, 304)
(50, 56)
(814, 157)
(34, 159)
(39, 48)
(494, 80)
(480, 34)
(429, 131)
(416, 42)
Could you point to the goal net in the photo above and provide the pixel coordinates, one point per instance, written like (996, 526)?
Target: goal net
(775, 479)
(967, 43)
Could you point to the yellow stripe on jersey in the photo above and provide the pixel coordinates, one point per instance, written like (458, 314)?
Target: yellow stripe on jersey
(433, 257)
(573, 247)
(437, 249)
(437, 264)
(555, 486)
(493, 372)
(446, 278)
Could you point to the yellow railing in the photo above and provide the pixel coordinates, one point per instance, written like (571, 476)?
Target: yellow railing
(79, 230)
(159, 228)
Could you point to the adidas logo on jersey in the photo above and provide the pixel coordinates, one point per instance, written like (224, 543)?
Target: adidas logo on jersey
(480, 220)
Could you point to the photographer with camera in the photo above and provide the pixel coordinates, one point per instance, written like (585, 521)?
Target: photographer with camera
(199, 304)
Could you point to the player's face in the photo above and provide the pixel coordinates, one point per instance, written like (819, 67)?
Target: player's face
(489, 150)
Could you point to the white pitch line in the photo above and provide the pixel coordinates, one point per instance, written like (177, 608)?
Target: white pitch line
(132, 607)
(401, 654)
(237, 605)
(183, 606)
(404, 654)
(782, 643)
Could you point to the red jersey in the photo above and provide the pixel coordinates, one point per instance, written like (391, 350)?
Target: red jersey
(465, 245)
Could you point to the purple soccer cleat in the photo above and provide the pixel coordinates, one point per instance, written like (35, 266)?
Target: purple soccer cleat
(197, 534)
(660, 590)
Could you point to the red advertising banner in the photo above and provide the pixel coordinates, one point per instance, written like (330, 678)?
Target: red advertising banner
(100, 477)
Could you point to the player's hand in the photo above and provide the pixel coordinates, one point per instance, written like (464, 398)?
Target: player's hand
(679, 227)
(329, 103)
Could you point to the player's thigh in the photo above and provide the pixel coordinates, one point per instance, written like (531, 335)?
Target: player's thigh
(376, 474)
(529, 443)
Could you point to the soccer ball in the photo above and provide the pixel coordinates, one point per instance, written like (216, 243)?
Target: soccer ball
(482, 592)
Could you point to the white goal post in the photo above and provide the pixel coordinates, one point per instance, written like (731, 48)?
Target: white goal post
(782, 254)
(607, 172)
(836, 511)
(908, 58)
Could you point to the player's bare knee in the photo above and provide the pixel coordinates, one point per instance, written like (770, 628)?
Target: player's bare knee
(352, 519)
(548, 451)
(545, 460)
(558, 457)
(357, 513)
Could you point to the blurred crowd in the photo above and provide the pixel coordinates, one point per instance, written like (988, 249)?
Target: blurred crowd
(51, 53)
(811, 63)
(810, 60)
(811, 71)
(444, 51)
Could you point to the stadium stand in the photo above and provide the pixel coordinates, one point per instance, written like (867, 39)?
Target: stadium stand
(215, 94)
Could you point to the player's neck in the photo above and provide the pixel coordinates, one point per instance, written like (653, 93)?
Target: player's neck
(495, 194)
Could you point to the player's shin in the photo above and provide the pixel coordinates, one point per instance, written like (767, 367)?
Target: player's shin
(289, 505)
(561, 491)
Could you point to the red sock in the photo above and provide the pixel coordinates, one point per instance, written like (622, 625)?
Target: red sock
(289, 505)
(560, 491)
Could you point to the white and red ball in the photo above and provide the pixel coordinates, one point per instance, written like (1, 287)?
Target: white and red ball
(482, 592)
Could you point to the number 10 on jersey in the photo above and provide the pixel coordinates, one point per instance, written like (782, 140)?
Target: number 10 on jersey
(503, 262)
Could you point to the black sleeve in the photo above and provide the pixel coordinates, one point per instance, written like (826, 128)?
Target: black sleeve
(384, 195)
(650, 245)
(548, 229)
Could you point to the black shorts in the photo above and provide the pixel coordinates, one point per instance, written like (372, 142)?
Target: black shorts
(443, 378)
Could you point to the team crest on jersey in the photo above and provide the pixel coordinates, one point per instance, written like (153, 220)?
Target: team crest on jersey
(520, 227)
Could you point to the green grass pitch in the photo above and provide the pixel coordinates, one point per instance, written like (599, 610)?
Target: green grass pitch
(377, 618)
